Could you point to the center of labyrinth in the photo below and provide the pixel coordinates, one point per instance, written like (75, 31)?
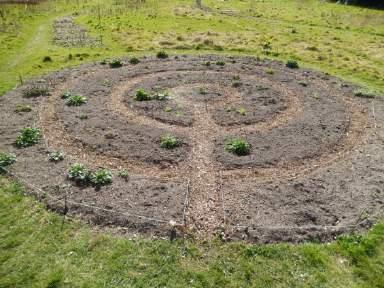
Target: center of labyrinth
(297, 129)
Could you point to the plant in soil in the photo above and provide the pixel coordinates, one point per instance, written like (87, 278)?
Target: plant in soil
(27, 137)
(124, 174)
(292, 64)
(242, 111)
(66, 95)
(134, 61)
(76, 100)
(5, 161)
(22, 108)
(56, 156)
(101, 177)
(79, 173)
(35, 91)
(142, 95)
(220, 63)
(238, 146)
(162, 55)
(115, 63)
(169, 142)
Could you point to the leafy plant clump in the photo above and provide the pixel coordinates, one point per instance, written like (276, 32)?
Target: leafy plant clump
(292, 64)
(66, 95)
(238, 146)
(142, 95)
(162, 55)
(27, 137)
(115, 63)
(124, 174)
(79, 173)
(5, 161)
(22, 108)
(134, 61)
(56, 156)
(364, 93)
(76, 100)
(101, 177)
(169, 142)
(35, 91)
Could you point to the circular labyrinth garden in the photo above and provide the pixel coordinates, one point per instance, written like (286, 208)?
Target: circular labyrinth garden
(201, 145)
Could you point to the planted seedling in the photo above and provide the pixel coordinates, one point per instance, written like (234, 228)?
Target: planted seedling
(35, 91)
(5, 161)
(22, 108)
(56, 156)
(79, 173)
(134, 61)
(169, 142)
(162, 55)
(27, 137)
(101, 177)
(124, 174)
(292, 64)
(238, 146)
(76, 100)
(142, 95)
(242, 111)
(220, 63)
(115, 63)
(270, 71)
(168, 109)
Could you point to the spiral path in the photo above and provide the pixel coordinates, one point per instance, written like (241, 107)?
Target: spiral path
(314, 169)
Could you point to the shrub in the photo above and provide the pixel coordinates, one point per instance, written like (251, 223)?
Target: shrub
(169, 142)
(101, 177)
(76, 100)
(6, 160)
(20, 108)
(56, 156)
(238, 146)
(35, 91)
(134, 61)
(27, 137)
(292, 64)
(162, 55)
(364, 93)
(79, 173)
(115, 63)
(142, 95)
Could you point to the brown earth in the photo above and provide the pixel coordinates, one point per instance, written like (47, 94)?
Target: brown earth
(314, 171)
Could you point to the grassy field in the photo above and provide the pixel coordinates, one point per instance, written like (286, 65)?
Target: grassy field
(36, 251)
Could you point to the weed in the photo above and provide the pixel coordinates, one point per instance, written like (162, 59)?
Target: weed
(35, 91)
(5, 161)
(21, 108)
(292, 64)
(363, 93)
(76, 100)
(101, 177)
(241, 111)
(66, 95)
(47, 59)
(169, 142)
(115, 63)
(27, 137)
(270, 71)
(79, 173)
(56, 156)
(238, 146)
(162, 55)
(134, 61)
(83, 116)
(142, 95)
(220, 63)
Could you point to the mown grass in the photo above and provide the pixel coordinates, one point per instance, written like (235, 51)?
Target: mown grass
(35, 251)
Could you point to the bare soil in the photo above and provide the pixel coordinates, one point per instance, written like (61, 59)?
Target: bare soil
(314, 171)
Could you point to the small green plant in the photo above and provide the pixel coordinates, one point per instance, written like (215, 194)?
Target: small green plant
(363, 93)
(162, 55)
(207, 63)
(27, 137)
(134, 61)
(292, 64)
(79, 173)
(21, 108)
(56, 156)
(115, 63)
(238, 146)
(169, 142)
(203, 91)
(270, 71)
(220, 63)
(242, 111)
(142, 95)
(47, 59)
(101, 177)
(83, 116)
(76, 100)
(303, 83)
(66, 95)
(168, 109)
(5, 161)
(124, 174)
(35, 91)
(161, 96)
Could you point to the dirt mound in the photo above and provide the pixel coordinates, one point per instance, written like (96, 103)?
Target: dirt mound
(314, 169)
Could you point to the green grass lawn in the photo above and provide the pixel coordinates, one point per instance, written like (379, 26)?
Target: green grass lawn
(36, 251)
